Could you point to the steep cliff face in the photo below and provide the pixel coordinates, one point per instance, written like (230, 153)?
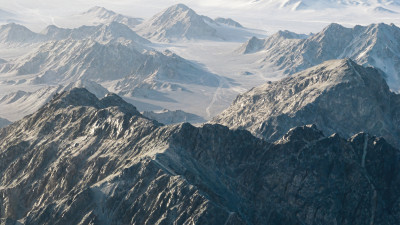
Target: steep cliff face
(338, 96)
(81, 160)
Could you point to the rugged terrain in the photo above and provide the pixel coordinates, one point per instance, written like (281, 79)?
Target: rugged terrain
(338, 96)
(298, 5)
(82, 160)
(375, 45)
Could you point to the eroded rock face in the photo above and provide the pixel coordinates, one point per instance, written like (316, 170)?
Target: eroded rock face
(338, 96)
(81, 160)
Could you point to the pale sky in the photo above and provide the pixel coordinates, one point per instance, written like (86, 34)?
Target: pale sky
(39, 13)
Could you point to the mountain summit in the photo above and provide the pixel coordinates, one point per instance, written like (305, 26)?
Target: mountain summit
(15, 33)
(99, 15)
(338, 96)
(177, 22)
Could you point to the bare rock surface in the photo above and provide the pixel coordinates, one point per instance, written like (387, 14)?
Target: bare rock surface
(81, 160)
(338, 96)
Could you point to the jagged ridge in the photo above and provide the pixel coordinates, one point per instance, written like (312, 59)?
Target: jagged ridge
(84, 160)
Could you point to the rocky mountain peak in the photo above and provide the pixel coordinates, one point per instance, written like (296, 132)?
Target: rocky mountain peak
(254, 44)
(100, 15)
(178, 11)
(50, 29)
(113, 100)
(228, 21)
(177, 22)
(290, 35)
(305, 133)
(338, 96)
(100, 11)
(13, 32)
(75, 97)
(13, 26)
(179, 6)
(82, 97)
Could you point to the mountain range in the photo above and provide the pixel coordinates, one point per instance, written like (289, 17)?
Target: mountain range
(18, 34)
(82, 160)
(296, 5)
(320, 146)
(375, 45)
(138, 66)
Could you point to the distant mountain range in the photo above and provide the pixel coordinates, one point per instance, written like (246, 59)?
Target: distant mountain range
(375, 45)
(110, 53)
(18, 34)
(375, 5)
(138, 66)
